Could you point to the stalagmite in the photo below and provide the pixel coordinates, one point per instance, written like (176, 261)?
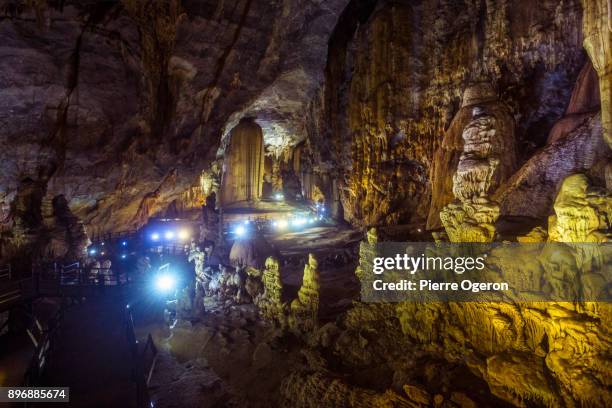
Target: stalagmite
(305, 309)
(242, 178)
(582, 213)
(488, 146)
(270, 302)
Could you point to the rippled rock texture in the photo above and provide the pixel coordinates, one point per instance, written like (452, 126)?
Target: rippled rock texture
(394, 82)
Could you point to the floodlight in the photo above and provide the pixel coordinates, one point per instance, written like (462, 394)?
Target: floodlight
(240, 230)
(165, 283)
(183, 234)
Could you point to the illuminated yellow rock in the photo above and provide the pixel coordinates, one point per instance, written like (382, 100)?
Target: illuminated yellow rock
(470, 221)
(305, 309)
(320, 389)
(487, 157)
(582, 214)
(270, 303)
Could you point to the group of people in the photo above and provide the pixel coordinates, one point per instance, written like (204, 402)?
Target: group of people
(100, 272)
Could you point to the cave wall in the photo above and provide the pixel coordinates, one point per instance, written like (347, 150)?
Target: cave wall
(395, 78)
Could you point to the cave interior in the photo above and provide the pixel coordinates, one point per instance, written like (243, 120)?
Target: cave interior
(212, 173)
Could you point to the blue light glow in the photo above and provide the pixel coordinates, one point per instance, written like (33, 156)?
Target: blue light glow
(240, 230)
(165, 283)
(155, 236)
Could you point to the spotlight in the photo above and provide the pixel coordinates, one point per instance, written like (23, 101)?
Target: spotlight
(169, 235)
(279, 196)
(165, 283)
(123, 256)
(124, 243)
(183, 235)
(281, 224)
(92, 251)
(102, 243)
(240, 230)
(298, 222)
(155, 236)
(311, 221)
(102, 253)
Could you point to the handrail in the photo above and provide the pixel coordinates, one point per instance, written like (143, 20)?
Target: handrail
(150, 345)
(71, 266)
(5, 272)
(110, 236)
(143, 398)
(43, 347)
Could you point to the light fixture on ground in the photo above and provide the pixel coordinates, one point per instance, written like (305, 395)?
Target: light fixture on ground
(240, 231)
(169, 235)
(184, 235)
(281, 224)
(165, 283)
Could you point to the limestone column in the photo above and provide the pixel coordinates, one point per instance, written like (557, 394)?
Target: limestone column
(597, 28)
(487, 157)
(244, 164)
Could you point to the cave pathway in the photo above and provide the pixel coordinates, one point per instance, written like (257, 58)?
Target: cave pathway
(92, 354)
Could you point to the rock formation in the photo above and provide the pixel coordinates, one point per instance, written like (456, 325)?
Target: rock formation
(406, 86)
(487, 158)
(305, 309)
(242, 178)
(582, 214)
(270, 303)
(598, 43)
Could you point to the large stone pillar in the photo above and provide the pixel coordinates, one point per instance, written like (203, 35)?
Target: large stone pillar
(597, 27)
(243, 167)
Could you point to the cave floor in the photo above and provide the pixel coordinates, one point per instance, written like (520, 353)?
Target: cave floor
(230, 357)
